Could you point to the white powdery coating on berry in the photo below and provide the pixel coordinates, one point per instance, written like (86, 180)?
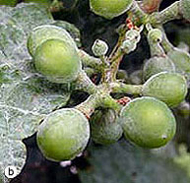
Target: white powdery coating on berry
(69, 125)
(42, 33)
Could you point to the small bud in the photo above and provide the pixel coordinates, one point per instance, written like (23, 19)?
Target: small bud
(133, 35)
(128, 46)
(99, 48)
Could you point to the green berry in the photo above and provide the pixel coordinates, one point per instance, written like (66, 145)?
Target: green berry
(57, 61)
(171, 88)
(155, 35)
(71, 29)
(105, 128)
(99, 48)
(63, 134)
(181, 59)
(133, 35)
(156, 65)
(148, 122)
(110, 8)
(185, 9)
(42, 33)
(122, 75)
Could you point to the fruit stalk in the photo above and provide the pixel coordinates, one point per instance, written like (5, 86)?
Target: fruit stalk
(127, 43)
(115, 64)
(90, 61)
(166, 44)
(88, 106)
(119, 87)
(138, 12)
(101, 98)
(154, 42)
(84, 83)
(170, 13)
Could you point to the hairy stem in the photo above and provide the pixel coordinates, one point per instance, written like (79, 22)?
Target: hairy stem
(138, 12)
(115, 64)
(90, 61)
(84, 83)
(88, 106)
(166, 44)
(116, 57)
(170, 13)
(109, 102)
(100, 98)
(156, 49)
(118, 87)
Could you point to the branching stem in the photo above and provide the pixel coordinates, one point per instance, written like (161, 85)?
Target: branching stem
(90, 61)
(119, 87)
(84, 83)
(138, 12)
(168, 14)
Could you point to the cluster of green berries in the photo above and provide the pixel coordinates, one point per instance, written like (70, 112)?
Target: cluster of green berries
(146, 121)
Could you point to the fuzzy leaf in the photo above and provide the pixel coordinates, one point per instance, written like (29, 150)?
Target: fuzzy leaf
(25, 97)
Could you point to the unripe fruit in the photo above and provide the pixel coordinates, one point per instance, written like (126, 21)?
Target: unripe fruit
(185, 9)
(71, 29)
(171, 88)
(156, 65)
(99, 48)
(181, 59)
(105, 128)
(155, 35)
(57, 61)
(133, 35)
(148, 122)
(110, 8)
(122, 76)
(42, 33)
(63, 134)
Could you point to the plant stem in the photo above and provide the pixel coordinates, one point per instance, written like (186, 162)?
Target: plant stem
(170, 13)
(109, 102)
(166, 44)
(119, 87)
(138, 12)
(150, 6)
(88, 106)
(100, 98)
(84, 83)
(116, 60)
(90, 61)
(156, 49)
(89, 71)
